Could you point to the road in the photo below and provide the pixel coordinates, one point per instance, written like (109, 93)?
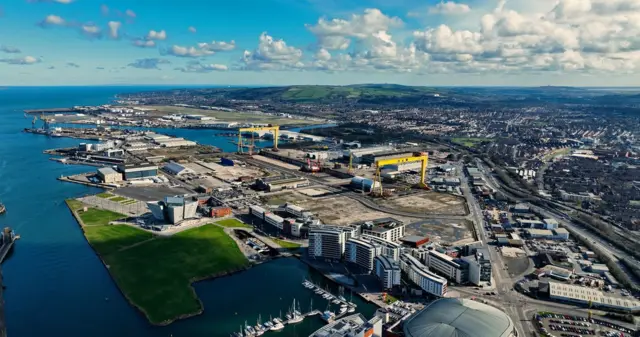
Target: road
(502, 282)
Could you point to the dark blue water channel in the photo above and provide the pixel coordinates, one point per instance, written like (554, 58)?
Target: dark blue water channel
(56, 286)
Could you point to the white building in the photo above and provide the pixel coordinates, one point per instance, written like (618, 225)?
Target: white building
(550, 223)
(361, 253)
(560, 234)
(328, 242)
(177, 169)
(590, 296)
(421, 276)
(274, 220)
(387, 271)
(444, 265)
(388, 229)
(387, 248)
(109, 175)
(293, 209)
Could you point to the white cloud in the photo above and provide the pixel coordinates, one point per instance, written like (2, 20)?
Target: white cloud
(144, 43)
(157, 35)
(336, 34)
(91, 30)
(26, 60)
(10, 50)
(197, 67)
(53, 20)
(114, 27)
(217, 46)
(449, 8)
(561, 36)
(192, 29)
(181, 51)
(272, 54)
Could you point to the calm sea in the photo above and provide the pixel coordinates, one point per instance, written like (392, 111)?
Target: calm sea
(56, 286)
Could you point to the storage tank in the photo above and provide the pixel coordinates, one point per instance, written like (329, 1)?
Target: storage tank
(365, 184)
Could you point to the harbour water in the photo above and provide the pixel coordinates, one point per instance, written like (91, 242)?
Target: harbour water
(55, 283)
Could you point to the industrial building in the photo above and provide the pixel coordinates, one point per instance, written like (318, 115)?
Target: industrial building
(278, 183)
(445, 265)
(457, 317)
(421, 276)
(554, 234)
(173, 210)
(388, 229)
(108, 175)
(138, 171)
(176, 169)
(590, 296)
(328, 242)
(387, 271)
(358, 153)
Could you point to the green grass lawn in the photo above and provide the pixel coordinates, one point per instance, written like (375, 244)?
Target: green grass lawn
(233, 223)
(104, 195)
(74, 204)
(99, 217)
(469, 142)
(390, 299)
(109, 239)
(118, 199)
(156, 275)
(129, 202)
(286, 244)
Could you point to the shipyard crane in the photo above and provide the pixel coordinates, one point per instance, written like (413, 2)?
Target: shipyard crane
(274, 128)
(422, 157)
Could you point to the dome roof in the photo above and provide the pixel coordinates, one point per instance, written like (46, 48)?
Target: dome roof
(450, 317)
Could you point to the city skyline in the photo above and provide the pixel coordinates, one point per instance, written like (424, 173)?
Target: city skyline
(280, 42)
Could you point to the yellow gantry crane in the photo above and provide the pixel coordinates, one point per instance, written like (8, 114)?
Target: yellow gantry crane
(422, 157)
(274, 128)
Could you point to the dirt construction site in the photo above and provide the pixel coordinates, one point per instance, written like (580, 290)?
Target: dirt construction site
(427, 203)
(332, 210)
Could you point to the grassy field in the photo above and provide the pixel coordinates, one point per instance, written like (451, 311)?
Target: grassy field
(233, 223)
(286, 244)
(99, 217)
(556, 153)
(390, 299)
(104, 195)
(156, 275)
(118, 199)
(112, 238)
(470, 142)
(234, 116)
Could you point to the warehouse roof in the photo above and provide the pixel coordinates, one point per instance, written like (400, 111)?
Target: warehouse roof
(450, 317)
(589, 295)
(107, 170)
(540, 232)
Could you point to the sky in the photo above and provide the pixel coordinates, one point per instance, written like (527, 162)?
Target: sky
(282, 42)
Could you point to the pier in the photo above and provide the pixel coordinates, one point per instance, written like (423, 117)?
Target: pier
(52, 110)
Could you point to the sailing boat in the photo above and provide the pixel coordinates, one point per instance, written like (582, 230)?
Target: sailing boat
(296, 315)
(277, 323)
(259, 328)
(327, 315)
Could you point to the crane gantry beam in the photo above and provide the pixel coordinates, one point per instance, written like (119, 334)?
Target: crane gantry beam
(274, 128)
(416, 157)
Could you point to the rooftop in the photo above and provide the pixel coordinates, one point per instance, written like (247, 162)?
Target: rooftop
(450, 317)
(595, 296)
(107, 170)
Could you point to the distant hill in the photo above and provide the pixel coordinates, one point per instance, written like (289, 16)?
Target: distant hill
(328, 93)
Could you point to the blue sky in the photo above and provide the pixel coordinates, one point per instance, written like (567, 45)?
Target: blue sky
(426, 42)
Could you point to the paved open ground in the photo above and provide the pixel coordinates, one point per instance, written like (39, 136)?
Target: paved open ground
(334, 210)
(428, 203)
(149, 193)
(440, 230)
